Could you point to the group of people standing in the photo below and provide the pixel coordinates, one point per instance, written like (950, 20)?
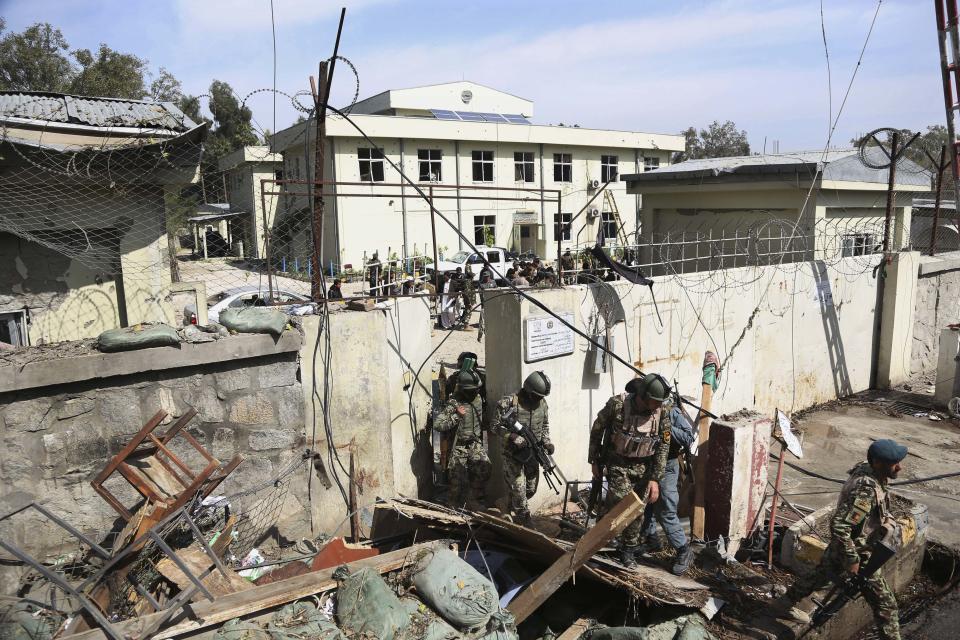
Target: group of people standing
(631, 446)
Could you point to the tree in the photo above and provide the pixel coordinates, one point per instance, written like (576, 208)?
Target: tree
(109, 73)
(233, 122)
(35, 60)
(717, 141)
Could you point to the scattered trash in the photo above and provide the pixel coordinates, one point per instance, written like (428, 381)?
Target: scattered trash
(253, 558)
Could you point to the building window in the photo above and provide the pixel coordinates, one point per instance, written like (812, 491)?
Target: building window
(562, 167)
(278, 174)
(296, 169)
(608, 168)
(859, 244)
(13, 328)
(649, 164)
(371, 164)
(561, 222)
(609, 227)
(429, 160)
(482, 166)
(523, 166)
(484, 229)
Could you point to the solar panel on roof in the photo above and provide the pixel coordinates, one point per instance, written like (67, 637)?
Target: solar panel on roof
(515, 118)
(493, 117)
(470, 116)
(443, 114)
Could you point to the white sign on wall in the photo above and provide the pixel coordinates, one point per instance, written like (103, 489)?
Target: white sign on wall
(546, 337)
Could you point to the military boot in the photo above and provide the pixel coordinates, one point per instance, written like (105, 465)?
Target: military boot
(628, 556)
(523, 518)
(682, 562)
(651, 545)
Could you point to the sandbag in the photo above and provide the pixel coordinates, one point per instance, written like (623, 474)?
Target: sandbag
(254, 320)
(238, 629)
(141, 336)
(457, 591)
(24, 621)
(425, 624)
(302, 620)
(502, 626)
(366, 606)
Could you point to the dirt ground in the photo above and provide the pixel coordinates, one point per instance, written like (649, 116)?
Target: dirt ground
(837, 437)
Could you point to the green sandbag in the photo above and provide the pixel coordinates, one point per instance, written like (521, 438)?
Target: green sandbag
(502, 626)
(302, 620)
(254, 320)
(425, 624)
(457, 591)
(238, 629)
(367, 608)
(141, 336)
(24, 621)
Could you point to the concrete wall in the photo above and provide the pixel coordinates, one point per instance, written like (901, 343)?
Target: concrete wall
(788, 338)
(64, 422)
(937, 305)
(377, 397)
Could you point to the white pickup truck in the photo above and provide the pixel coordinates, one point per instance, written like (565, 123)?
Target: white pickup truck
(497, 257)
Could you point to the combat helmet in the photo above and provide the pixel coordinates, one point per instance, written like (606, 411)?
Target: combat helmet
(652, 386)
(468, 380)
(537, 384)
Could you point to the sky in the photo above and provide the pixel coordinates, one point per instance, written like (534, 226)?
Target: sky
(641, 65)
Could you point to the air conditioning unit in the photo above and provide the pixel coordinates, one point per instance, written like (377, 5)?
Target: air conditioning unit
(593, 213)
(593, 184)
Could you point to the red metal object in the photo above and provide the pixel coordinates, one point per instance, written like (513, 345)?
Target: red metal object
(338, 552)
(947, 15)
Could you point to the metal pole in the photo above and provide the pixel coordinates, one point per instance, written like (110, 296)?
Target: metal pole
(456, 165)
(320, 99)
(433, 234)
(403, 201)
(894, 142)
(773, 507)
(943, 26)
(558, 229)
(936, 206)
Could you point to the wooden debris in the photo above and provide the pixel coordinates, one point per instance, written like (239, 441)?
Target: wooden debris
(615, 521)
(198, 562)
(575, 630)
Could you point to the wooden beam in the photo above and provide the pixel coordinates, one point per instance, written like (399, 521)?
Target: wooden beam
(575, 630)
(698, 518)
(616, 520)
(242, 603)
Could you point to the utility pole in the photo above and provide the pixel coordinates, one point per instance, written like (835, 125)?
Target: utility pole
(894, 141)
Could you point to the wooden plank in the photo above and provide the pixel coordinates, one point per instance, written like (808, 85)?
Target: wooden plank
(198, 562)
(575, 630)
(698, 518)
(242, 603)
(616, 520)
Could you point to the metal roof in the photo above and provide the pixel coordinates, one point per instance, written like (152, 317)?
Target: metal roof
(838, 165)
(92, 111)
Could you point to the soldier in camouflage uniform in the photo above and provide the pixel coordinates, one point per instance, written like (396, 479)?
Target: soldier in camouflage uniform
(862, 514)
(520, 468)
(468, 462)
(631, 439)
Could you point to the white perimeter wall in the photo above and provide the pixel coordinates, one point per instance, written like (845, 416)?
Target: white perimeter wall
(789, 337)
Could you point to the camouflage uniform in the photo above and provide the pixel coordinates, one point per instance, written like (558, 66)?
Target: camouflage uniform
(469, 299)
(862, 508)
(469, 464)
(627, 474)
(520, 468)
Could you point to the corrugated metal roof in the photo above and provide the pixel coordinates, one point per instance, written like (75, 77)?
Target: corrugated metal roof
(840, 165)
(91, 111)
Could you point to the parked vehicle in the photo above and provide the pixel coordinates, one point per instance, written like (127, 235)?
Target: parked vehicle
(242, 297)
(497, 256)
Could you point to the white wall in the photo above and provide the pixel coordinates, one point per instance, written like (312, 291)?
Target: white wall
(782, 342)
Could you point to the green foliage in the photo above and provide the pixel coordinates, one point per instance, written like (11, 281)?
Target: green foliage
(717, 141)
(109, 73)
(35, 60)
(488, 236)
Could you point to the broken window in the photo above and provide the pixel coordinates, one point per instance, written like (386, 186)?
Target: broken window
(429, 161)
(523, 166)
(561, 223)
(482, 166)
(608, 168)
(609, 226)
(649, 164)
(371, 164)
(13, 328)
(562, 167)
(484, 229)
(859, 244)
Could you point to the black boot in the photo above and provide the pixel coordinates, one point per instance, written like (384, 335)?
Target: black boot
(628, 556)
(682, 561)
(651, 545)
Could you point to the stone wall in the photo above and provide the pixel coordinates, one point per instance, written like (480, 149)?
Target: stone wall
(937, 305)
(55, 438)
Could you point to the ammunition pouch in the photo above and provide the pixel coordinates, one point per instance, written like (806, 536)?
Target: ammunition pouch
(632, 446)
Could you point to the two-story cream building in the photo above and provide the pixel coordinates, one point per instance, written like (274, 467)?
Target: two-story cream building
(493, 173)
(248, 172)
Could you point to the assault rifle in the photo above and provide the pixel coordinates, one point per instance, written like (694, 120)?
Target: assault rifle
(851, 586)
(551, 472)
